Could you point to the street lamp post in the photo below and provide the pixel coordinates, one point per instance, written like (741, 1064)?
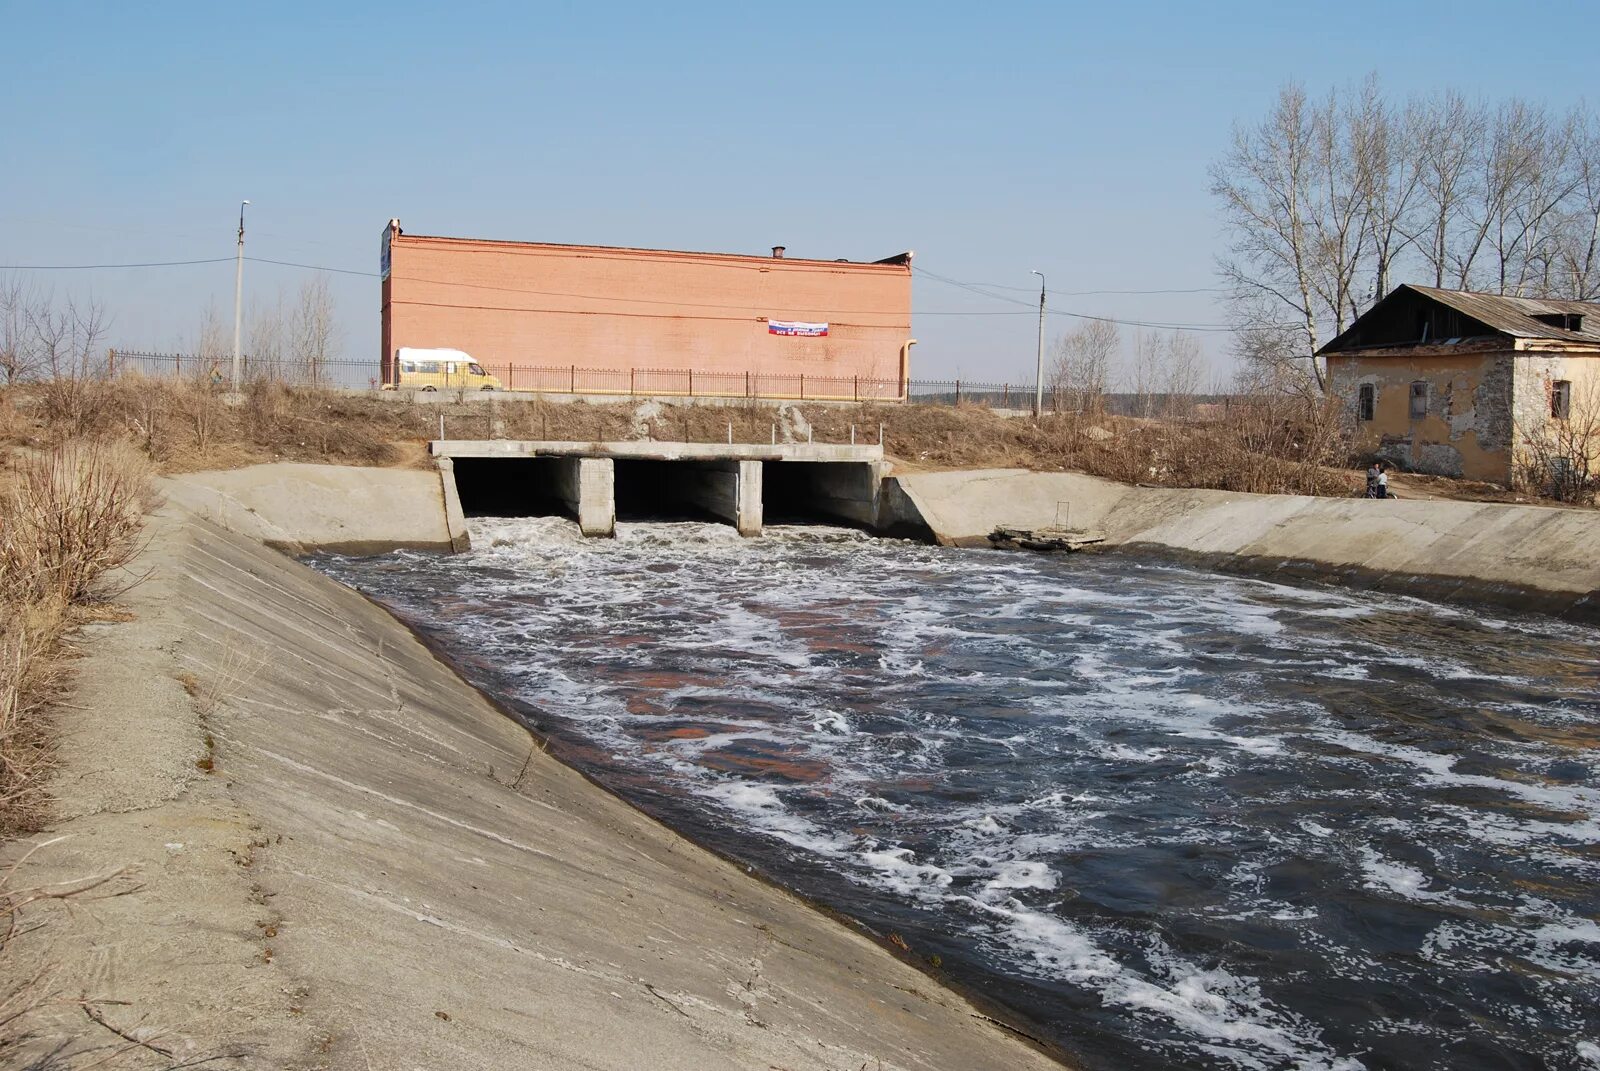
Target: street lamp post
(1038, 369)
(238, 297)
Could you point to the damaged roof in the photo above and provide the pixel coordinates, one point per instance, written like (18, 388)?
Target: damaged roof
(1577, 322)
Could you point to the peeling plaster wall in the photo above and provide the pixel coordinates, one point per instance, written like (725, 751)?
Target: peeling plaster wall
(1467, 430)
(1536, 374)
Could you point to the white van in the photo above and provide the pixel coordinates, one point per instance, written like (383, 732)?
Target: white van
(440, 369)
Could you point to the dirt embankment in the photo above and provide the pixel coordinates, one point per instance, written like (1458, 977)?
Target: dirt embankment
(1262, 446)
(184, 426)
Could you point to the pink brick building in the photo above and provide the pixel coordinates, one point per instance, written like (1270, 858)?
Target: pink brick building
(595, 319)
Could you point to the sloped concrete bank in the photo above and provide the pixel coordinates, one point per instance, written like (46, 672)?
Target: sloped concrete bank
(1527, 557)
(344, 856)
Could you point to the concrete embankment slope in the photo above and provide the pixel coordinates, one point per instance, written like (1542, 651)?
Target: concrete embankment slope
(1528, 556)
(333, 507)
(379, 869)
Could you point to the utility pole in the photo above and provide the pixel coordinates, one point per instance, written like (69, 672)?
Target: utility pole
(1039, 364)
(238, 297)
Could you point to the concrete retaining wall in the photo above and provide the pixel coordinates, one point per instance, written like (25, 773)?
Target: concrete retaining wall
(336, 507)
(1528, 556)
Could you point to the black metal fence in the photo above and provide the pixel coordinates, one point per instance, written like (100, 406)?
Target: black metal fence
(656, 382)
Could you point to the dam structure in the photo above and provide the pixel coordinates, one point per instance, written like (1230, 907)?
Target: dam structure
(741, 483)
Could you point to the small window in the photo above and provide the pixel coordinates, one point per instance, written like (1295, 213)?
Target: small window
(408, 366)
(1366, 402)
(1560, 399)
(1419, 399)
(1567, 321)
(476, 369)
(449, 368)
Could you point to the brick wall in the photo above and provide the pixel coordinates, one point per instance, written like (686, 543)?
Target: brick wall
(524, 304)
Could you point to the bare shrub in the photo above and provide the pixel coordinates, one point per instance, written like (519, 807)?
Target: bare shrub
(1560, 458)
(74, 515)
(31, 677)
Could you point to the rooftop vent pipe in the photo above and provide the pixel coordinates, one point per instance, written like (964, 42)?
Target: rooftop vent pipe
(777, 252)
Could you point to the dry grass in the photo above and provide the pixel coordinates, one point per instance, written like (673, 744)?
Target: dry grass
(71, 517)
(1271, 445)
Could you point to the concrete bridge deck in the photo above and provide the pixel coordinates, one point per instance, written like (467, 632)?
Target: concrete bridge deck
(657, 450)
(726, 480)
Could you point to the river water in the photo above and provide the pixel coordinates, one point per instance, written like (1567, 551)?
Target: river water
(1169, 818)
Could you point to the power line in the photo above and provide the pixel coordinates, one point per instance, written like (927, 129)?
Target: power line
(318, 267)
(95, 267)
(978, 289)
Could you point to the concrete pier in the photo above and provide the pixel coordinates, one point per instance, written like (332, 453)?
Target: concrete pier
(587, 485)
(740, 483)
(727, 489)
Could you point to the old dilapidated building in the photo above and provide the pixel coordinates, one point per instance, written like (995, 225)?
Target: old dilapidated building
(1466, 384)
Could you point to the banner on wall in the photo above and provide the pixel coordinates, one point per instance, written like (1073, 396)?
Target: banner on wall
(796, 327)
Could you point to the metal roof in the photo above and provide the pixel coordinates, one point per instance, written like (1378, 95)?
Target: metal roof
(1514, 316)
(1492, 316)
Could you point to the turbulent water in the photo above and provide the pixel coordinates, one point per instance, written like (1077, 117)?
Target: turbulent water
(1170, 818)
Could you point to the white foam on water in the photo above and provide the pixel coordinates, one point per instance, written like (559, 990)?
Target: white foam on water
(1212, 1004)
(1071, 681)
(1022, 874)
(1398, 878)
(1439, 769)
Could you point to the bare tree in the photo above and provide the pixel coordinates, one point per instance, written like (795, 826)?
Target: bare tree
(1578, 255)
(1447, 134)
(215, 341)
(1320, 198)
(268, 339)
(66, 339)
(1082, 362)
(1182, 372)
(1145, 371)
(1268, 183)
(1387, 176)
(18, 349)
(313, 332)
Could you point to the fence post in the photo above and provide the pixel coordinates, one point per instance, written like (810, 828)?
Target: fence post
(1005, 396)
(572, 385)
(802, 386)
(691, 382)
(747, 382)
(856, 393)
(630, 383)
(958, 392)
(111, 363)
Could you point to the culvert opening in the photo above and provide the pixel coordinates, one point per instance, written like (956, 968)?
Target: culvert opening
(817, 492)
(669, 490)
(509, 487)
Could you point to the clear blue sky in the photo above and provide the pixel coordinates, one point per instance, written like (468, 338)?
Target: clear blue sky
(991, 139)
